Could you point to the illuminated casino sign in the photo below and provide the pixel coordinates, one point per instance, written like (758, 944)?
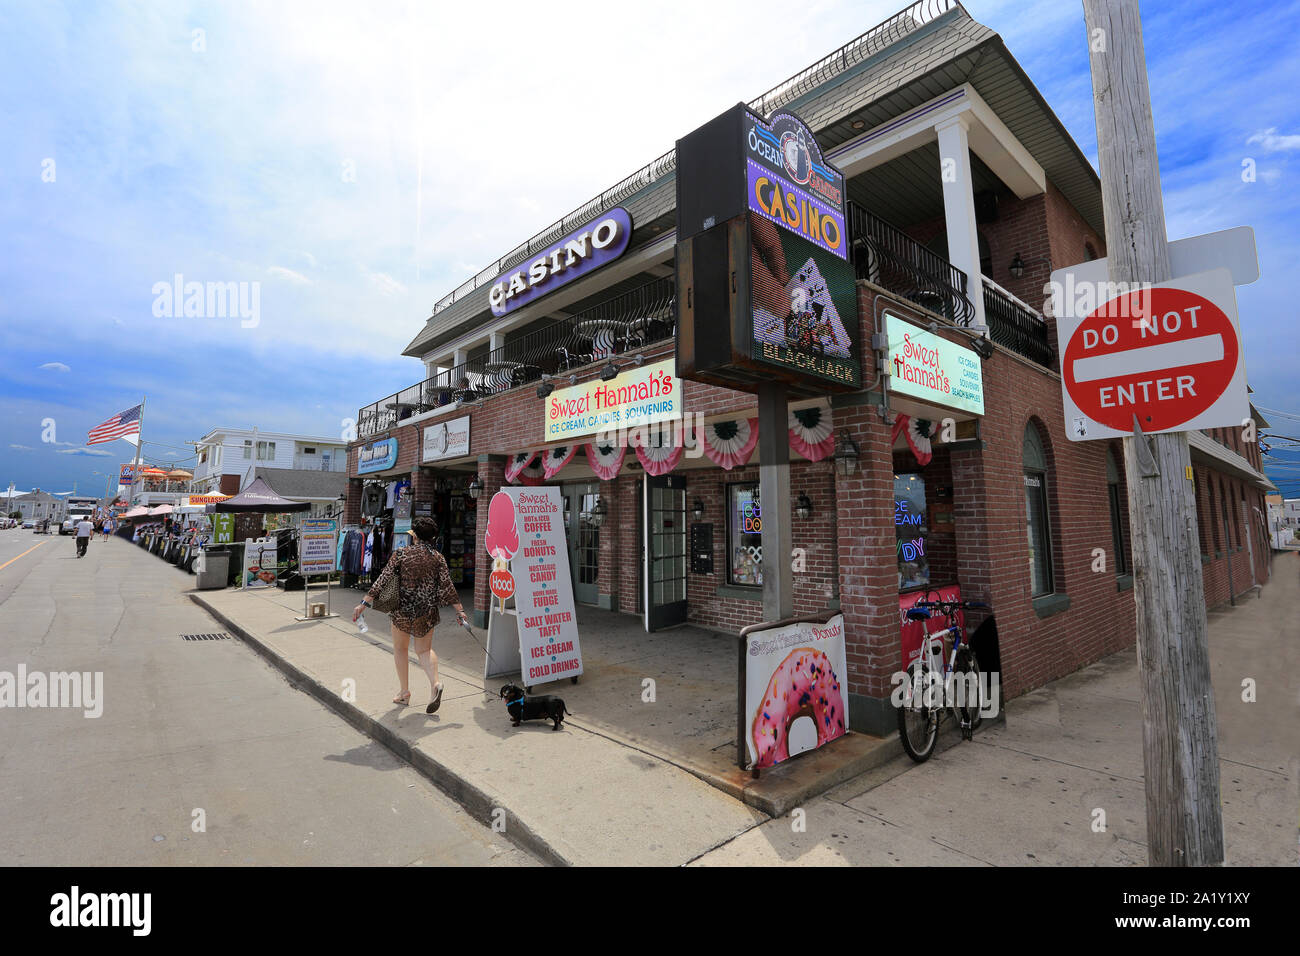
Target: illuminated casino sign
(765, 286)
(586, 249)
(789, 184)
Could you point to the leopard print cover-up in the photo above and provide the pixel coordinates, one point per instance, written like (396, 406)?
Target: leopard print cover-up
(425, 583)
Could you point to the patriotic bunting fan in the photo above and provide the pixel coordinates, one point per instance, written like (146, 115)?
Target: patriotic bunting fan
(553, 459)
(918, 432)
(657, 451)
(811, 434)
(516, 465)
(605, 460)
(729, 444)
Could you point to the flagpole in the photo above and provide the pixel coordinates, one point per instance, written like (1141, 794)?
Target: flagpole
(139, 446)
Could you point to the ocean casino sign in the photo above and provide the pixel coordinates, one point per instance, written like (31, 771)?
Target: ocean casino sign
(789, 184)
(586, 249)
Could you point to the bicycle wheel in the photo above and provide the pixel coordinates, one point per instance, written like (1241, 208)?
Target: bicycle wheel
(968, 701)
(918, 721)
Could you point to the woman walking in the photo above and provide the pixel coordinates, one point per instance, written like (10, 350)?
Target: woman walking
(423, 585)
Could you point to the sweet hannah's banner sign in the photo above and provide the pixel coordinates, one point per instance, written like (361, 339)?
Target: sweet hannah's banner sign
(596, 244)
(640, 396)
(926, 366)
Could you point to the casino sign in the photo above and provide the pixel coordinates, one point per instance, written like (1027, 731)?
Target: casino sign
(582, 251)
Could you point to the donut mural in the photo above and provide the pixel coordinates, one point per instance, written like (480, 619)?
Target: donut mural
(803, 685)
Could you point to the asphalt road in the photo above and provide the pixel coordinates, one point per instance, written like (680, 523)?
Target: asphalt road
(202, 754)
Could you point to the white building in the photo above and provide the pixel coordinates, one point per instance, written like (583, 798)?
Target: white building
(1291, 513)
(38, 506)
(229, 457)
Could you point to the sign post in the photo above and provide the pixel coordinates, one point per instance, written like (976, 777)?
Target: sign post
(1179, 724)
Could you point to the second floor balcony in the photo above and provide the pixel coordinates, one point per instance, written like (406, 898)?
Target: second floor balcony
(628, 322)
(883, 255)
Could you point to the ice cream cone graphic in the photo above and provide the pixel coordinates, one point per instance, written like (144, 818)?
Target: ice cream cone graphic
(501, 541)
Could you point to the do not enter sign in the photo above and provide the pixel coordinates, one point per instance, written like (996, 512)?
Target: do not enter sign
(1169, 354)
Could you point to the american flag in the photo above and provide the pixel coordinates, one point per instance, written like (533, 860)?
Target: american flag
(123, 423)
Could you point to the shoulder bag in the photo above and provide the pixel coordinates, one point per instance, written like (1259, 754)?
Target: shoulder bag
(390, 594)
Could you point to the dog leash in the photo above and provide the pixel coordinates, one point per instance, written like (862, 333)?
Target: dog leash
(465, 624)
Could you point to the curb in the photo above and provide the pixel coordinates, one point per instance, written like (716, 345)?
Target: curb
(474, 801)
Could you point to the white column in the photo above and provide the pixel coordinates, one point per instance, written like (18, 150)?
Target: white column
(496, 340)
(460, 357)
(959, 209)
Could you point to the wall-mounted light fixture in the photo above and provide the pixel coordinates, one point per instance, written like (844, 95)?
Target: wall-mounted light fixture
(803, 507)
(475, 487)
(697, 512)
(846, 454)
(1019, 265)
(548, 384)
(610, 371)
(597, 515)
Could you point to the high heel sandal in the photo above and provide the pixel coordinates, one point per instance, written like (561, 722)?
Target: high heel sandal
(436, 702)
(403, 699)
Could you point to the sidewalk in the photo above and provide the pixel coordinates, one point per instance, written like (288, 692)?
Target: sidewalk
(1027, 792)
(649, 783)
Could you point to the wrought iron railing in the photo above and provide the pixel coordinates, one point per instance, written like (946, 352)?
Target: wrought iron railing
(893, 260)
(625, 323)
(900, 25)
(1015, 325)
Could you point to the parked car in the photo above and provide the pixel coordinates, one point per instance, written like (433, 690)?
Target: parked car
(29, 523)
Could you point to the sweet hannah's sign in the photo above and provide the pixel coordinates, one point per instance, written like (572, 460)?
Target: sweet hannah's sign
(596, 244)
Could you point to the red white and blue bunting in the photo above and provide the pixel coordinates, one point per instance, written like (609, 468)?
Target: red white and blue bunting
(658, 449)
(553, 459)
(516, 466)
(918, 432)
(729, 444)
(605, 460)
(811, 432)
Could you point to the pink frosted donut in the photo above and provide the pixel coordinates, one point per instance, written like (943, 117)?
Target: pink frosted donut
(802, 685)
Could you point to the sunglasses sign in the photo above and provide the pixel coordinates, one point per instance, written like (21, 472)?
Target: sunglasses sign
(583, 251)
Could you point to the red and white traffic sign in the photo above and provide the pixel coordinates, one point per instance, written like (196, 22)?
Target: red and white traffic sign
(1170, 354)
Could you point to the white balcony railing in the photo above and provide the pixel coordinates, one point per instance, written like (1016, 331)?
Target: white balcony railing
(338, 461)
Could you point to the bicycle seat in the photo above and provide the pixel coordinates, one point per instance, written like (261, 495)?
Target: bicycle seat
(918, 614)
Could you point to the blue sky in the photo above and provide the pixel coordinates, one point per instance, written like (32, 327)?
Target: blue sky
(357, 161)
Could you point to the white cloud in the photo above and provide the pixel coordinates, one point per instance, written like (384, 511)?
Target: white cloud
(1273, 142)
(295, 277)
(21, 447)
(99, 453)
(383, 283)
(56, 367)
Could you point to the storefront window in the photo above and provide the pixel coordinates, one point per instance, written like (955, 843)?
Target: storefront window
(1040, 542)
(744, 536)
(911, 531)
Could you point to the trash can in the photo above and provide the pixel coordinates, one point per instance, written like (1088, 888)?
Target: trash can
(212, 569)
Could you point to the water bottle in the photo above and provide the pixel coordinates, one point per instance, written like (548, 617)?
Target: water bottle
(361, 624)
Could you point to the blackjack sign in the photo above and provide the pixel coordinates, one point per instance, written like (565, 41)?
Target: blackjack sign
(1169, 354)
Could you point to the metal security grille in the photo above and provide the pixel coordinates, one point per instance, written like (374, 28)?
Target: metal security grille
(221, 636)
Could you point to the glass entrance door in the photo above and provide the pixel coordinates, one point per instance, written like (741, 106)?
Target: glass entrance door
(664, 550)
(584, 540)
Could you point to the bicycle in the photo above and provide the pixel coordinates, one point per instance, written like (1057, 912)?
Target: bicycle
(919, 719)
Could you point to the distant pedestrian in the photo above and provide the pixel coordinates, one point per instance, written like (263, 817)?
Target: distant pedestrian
(84, 530)
(107, 527)
(424, 583)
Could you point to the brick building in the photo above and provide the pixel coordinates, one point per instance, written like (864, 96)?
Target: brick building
(966, 191)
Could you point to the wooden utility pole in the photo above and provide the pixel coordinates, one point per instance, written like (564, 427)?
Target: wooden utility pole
(1179, 729)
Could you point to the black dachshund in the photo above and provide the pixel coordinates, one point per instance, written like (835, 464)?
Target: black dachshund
(523, 707)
